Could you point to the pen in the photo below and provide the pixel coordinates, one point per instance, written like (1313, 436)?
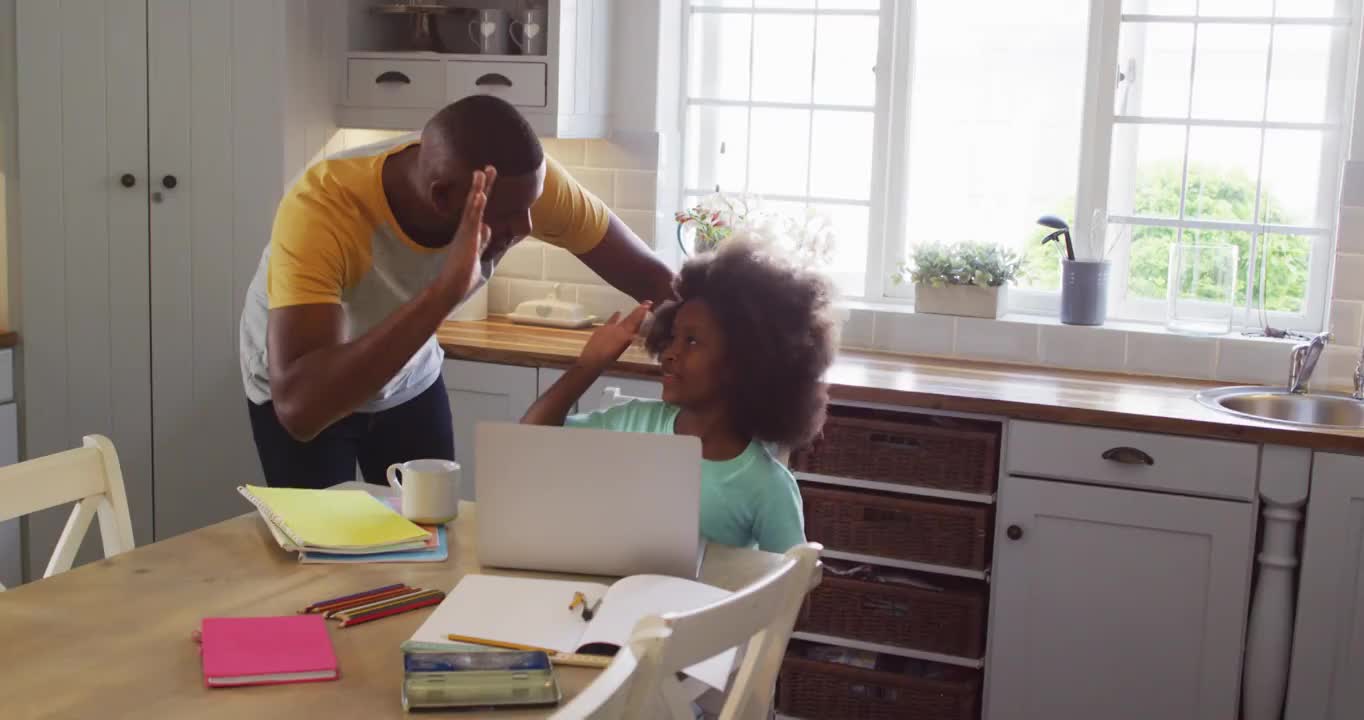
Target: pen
(588, 612)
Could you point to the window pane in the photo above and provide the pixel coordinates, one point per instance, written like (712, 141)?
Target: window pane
(717, 148)
(723, 3)
(783, 53)
(1145, 170)
(1229, 74)
(788, 4)
(1156, 58)
(1149, 262)
(840, 157)
(717, 59)
(845, 60)
(1289, 259)
(779, 162)
(851, 227)
(1311, 8)
(1240, 8)
(850, 4)
(997, 95)
(1225, 237)
(1290, 191)
(1300, 73)
(1222, 169)
(1158, 7)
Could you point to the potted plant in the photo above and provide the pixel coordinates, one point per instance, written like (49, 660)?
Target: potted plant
(967, 278)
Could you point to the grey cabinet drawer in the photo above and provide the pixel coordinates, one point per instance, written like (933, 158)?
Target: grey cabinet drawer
(1148, 461)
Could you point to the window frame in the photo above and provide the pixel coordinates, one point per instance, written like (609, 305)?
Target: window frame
(893, 114)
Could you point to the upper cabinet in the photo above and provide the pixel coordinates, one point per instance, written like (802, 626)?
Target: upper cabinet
(549, 58)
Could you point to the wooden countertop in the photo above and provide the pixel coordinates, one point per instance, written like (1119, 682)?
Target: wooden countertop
(1026, 393)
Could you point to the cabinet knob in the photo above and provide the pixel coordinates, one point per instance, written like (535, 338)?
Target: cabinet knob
(127, 180)
(493, 79)
(393, 76)
(1129, 456)
(169, 182)
(1014, 532)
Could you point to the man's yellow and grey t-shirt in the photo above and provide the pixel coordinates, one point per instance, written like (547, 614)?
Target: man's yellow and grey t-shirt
(335, 240)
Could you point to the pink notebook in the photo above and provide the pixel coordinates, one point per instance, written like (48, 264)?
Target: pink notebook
(267, 650)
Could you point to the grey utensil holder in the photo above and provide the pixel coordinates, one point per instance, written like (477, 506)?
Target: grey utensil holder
(1084, 292)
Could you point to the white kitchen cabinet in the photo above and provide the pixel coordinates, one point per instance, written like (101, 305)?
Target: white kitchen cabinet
(1116, 604)
(592, 399)
(564, 93)
(157, 138)
(484, 392)
(1328, 641)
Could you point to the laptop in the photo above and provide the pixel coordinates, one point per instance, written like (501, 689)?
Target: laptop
(594, 502)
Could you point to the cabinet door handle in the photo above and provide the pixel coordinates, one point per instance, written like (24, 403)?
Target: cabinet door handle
(1014, 532)
(393, 76)
(128, 180)
(169, 182)
(1128, 456)
(493, 79)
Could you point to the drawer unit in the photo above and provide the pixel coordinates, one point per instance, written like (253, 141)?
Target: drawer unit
(519, 83)
(906, 449)
(896, 526)
(1147, 461)
(395, 83)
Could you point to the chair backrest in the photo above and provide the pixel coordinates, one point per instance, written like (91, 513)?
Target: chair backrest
(611, 397)
(762, 615)
(607, 696)
(88, 476)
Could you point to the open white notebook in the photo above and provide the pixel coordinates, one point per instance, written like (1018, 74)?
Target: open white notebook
(536, 612)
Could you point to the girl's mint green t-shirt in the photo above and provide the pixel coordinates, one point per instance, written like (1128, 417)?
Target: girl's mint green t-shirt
(751, 500)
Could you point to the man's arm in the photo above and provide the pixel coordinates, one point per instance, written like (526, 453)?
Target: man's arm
(624, 261)
(317, 376)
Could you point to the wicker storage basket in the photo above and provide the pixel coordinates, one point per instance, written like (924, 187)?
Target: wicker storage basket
(815, 690)
(894, 526)
(931, 452)
(950, 621)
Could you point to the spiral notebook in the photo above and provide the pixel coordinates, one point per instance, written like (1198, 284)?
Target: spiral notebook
(334, 521)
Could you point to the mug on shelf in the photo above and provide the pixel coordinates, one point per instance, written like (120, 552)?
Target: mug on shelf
(488, 30)
(528, 31)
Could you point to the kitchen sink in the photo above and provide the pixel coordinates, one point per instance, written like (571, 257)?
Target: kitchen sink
(1274, 404)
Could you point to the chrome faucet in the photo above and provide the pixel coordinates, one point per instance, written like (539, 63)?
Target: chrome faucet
(1303, 360)
(1359, 377)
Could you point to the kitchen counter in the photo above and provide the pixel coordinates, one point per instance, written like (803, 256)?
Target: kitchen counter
(8, 339)
(1128, 402)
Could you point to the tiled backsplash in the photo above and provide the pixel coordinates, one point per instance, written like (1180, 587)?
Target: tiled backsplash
(623, 180)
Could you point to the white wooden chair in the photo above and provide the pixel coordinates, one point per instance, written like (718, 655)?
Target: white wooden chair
(88, 476)
(611, 397)
(759, 617)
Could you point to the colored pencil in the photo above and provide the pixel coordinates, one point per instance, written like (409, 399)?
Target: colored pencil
(399, 600)
(352, 596)
(329, 610)
(406, 607)
(499, 644)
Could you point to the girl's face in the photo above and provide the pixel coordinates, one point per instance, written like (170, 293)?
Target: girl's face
(694, 372)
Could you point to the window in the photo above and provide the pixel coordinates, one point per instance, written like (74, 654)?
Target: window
(1208, 121)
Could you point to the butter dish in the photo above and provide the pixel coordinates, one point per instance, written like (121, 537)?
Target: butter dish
(552, 312)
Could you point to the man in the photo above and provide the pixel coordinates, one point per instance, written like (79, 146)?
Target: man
(370, 252)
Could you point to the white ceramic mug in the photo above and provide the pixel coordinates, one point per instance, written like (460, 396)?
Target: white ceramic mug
(488, 30)
(528, 31)
(430, 489)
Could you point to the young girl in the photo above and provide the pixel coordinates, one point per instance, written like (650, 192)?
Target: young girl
(743, 350)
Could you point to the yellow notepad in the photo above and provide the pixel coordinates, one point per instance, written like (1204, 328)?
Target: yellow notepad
(333, 519)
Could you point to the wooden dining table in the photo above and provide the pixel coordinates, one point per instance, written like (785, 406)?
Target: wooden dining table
(114, 638)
